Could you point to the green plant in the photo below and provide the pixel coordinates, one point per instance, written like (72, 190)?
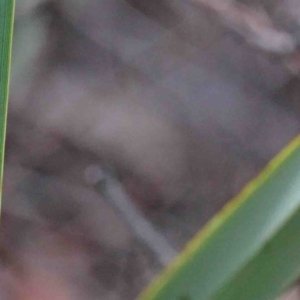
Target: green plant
(6, 28)
(251, 250)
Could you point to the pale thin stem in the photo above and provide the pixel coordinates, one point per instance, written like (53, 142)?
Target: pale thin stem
(142, 229)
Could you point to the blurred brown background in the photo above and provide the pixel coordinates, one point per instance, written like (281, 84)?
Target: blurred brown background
(182, 102)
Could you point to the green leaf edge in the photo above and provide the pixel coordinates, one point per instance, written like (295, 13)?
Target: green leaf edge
(6, 35)
(203, 236)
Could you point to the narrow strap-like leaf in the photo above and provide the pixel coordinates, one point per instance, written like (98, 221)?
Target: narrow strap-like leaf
(251, 250)
(6, 29)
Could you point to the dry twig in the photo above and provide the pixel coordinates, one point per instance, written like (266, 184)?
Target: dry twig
(142, 229)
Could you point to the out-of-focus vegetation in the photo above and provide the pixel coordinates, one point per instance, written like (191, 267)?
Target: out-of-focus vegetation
(182, 101)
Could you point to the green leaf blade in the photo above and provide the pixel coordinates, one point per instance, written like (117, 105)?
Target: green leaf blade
(269, 273)
(229, 260)
(6, 31)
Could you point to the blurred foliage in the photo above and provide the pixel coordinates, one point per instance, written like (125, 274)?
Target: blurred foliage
(180, 99)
